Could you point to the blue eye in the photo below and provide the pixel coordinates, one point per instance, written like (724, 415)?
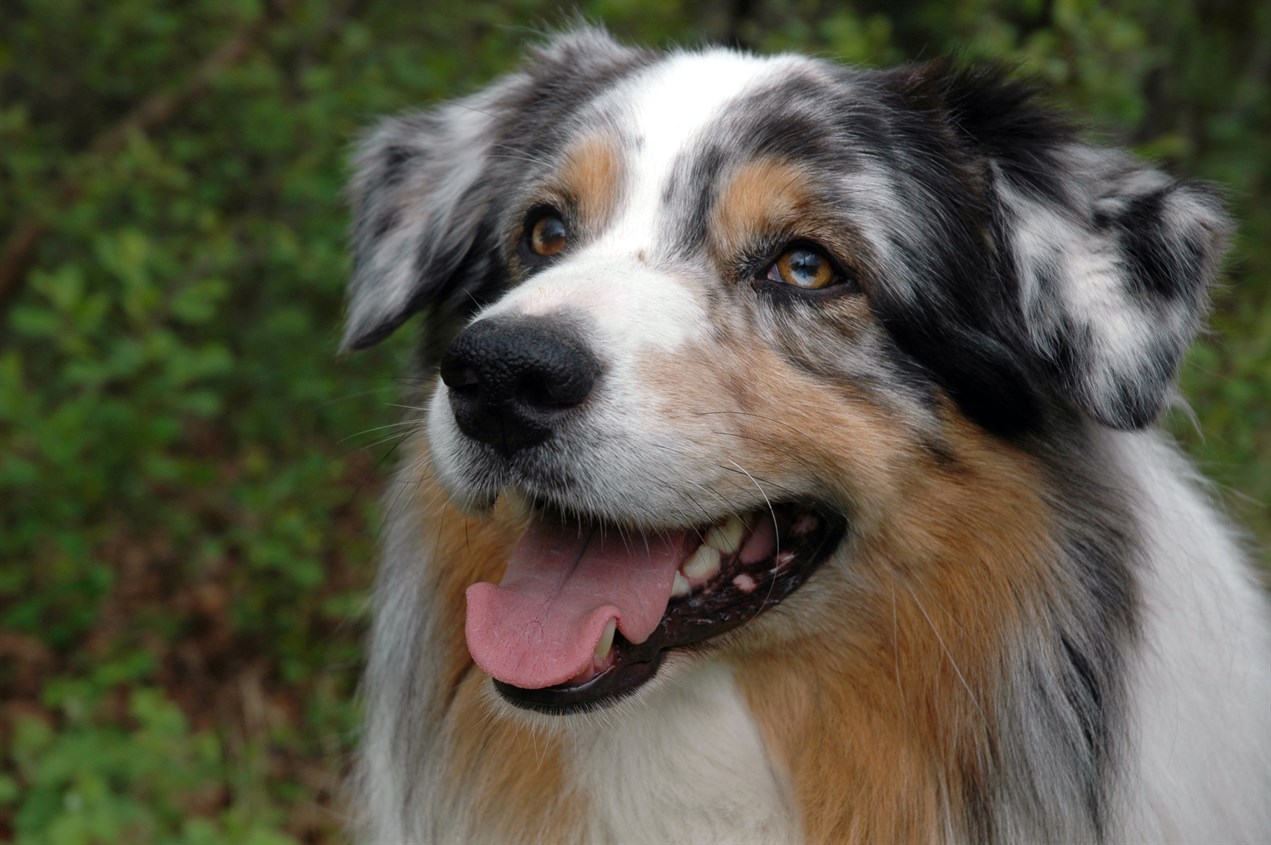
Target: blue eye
(804, 267)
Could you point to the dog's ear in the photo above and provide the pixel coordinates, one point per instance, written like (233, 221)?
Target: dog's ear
(1114, 283)
(419, 197)
(1105, 262)
(425, 186)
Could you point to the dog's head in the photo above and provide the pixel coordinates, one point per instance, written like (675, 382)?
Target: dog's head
(717, 310)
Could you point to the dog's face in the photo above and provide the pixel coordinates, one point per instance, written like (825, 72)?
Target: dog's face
(726, 310)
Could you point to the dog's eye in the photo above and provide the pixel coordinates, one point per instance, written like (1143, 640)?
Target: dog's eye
(805, 267)
(547, 235)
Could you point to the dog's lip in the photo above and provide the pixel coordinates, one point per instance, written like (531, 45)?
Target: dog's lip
(718, 606)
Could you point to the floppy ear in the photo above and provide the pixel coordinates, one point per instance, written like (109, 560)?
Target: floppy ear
(1104, 262)
(1113, 259)
(425, 186)
(420, 195)
(1114, 279)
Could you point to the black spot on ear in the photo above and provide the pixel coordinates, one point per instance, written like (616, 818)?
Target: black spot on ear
(1071, 350)
(1156, 263)
(385, 223)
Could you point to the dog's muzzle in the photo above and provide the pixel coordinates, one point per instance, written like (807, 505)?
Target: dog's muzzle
(512, 380)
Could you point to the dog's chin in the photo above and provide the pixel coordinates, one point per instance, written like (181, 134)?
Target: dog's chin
(731, 572)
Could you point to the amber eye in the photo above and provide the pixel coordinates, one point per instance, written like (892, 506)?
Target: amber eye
(805, 267)
(548, 235)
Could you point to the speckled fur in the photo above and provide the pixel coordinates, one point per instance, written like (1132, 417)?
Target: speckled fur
(1038, 627)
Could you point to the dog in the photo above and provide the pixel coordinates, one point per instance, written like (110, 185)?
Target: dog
(791, 473)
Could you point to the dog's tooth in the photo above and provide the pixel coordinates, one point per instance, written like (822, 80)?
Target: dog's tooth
(744, 582)
(681, 587)
(703, 565)
(727, 536)
(606, 642)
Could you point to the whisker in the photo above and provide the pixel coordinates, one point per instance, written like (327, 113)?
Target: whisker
(952, 662)
(771, 510)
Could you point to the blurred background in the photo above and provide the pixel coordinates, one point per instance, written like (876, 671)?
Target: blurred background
(189, 474)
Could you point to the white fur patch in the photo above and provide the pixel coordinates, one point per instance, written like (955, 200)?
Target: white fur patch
(1201, 685)
(631, 308)
(671, 104)
(685, 765)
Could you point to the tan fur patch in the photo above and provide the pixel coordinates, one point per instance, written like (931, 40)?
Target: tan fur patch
(911, 651)
(465, 549)
(785, 430)
(592, 177)
(511, 779)
(590, 181)
(874, 685)
(768, 197)
(760, 197)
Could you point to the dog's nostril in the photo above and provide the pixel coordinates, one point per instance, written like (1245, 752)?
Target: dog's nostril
(555, 389)
(512, 380)
(464, 378)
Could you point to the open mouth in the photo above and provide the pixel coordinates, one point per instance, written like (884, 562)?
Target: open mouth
(587, 611)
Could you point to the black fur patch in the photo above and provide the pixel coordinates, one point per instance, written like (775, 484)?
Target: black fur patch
(1156, 266)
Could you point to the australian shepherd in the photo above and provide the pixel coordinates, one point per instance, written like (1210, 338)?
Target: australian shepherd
(791, 473)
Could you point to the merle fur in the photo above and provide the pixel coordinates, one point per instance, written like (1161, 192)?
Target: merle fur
(974, 312)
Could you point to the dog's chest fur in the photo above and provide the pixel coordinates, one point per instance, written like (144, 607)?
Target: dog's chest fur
(688, 767)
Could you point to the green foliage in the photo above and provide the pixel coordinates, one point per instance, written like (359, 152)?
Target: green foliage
(187, 471)
(132, 781)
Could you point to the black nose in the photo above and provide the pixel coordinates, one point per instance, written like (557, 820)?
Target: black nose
(513, 379)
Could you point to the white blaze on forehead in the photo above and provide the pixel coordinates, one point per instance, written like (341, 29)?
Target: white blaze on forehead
(666, 111)
(633, 304)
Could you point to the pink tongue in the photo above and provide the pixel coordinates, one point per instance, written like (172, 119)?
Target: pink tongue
(540, 626)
